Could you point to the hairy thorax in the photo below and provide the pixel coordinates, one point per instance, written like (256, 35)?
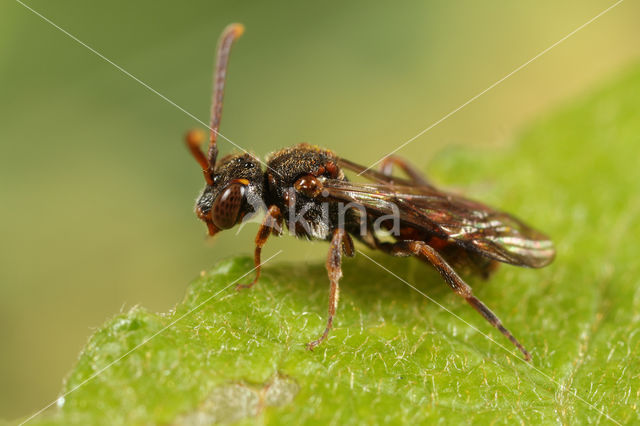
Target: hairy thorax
(293, 183)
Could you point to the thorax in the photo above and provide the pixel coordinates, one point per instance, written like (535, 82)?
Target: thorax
(305, 215)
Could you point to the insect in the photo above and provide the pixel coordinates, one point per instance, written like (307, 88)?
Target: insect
(304, 188)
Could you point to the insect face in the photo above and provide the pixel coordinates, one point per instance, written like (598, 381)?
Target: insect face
(236, 191)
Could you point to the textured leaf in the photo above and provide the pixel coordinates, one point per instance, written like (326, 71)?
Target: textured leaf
(394, 356)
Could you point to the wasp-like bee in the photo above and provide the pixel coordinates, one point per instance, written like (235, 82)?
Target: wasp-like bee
(304, 188)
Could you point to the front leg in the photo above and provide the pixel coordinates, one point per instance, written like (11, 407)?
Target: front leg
(341, 242)
(272, 224)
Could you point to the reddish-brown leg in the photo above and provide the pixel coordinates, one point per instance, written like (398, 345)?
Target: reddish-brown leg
(429, 254)
(340, 243)
(272, 224)
(386, 168)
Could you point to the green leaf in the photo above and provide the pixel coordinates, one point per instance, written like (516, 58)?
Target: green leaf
(395, 356)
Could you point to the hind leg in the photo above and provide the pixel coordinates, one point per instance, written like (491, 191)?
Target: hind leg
(386, 168)
(427, 253)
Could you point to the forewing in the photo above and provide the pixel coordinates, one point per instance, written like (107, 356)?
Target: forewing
(467, 223)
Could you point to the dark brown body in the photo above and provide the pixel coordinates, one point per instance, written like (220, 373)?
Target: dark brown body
(294, 197)
(287, 166)
(304, 189)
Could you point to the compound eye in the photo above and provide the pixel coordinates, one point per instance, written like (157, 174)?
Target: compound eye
(227, 206)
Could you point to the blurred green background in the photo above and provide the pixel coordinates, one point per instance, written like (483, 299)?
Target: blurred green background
(97, 188)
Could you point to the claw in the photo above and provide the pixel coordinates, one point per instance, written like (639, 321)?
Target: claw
(312, 345)
(243, 286)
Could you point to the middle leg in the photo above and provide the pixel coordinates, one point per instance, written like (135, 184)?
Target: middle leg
(341, 242)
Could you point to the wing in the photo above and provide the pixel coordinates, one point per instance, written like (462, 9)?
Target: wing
(464, 222)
